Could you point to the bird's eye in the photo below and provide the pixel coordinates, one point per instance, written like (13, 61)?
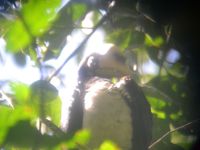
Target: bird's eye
(91, 62)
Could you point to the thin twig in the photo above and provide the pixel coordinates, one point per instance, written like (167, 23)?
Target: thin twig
(103, 19)
(169, 132)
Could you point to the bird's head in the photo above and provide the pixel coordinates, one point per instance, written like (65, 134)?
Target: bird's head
(112, 64)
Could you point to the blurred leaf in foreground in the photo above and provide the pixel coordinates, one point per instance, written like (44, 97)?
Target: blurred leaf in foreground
(154, 42)
(23, 135)
(80, 139)
(38, 15)
(43, 90)
(108, 145)
(17, 37)
(33, 20)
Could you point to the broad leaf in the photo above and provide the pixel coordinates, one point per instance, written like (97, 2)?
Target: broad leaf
(17, 37)
(38, 15)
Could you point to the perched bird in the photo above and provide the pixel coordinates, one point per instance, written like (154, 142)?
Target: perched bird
(116, 111)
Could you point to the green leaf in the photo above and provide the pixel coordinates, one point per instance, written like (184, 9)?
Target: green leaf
(43, 90)
(159, 114)
(177, 115)
(78, 10)
(53, 110)
(82, 137)
(22, 97)
(21, 134)
(157, 103)
(125, 38)
(156, 42)
(39, 14)
(24, 135)
(10, 116)
(17, 37)
(108, 145)
(4, 111)
(21, 92)
(157, 107)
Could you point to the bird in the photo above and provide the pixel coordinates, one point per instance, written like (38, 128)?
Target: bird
(110, 110)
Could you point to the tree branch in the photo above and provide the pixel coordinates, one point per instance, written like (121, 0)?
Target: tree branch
(169, 132)
(103, 19)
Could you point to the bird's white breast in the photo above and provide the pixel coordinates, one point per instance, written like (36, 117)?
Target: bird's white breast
(107, 115)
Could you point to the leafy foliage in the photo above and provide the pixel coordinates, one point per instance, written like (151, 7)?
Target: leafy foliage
(108, 145)
(38, 29)
(27, 26)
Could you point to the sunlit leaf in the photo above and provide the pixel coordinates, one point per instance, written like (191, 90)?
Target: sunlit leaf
(35, 18)
(156, 42)
(38, 15)
(21, 92)
(159, 114)
(157, 103)
(157, 107)
(81, 138)
(108, 145)
(10, 116)
(53, 110)
(17, 37)
(4, 112)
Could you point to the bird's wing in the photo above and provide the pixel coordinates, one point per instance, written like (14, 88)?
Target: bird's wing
(141, 113)
(76, 113)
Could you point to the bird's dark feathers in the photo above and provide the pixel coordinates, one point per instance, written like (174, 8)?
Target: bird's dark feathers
(142, 118)
(76, 114)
